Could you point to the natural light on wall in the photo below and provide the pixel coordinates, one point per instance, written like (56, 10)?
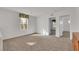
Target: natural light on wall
(44, 32)
(69, 21)
(23, 21)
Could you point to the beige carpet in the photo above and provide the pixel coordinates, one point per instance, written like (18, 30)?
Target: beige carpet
(37, 43)
(66, 34)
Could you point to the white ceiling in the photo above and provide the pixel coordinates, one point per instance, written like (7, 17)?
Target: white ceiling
(37, 11)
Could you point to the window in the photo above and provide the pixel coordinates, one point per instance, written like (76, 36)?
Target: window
(23, 21)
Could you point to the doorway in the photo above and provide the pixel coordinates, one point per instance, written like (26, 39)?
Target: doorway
(65, 26)
(52, 25)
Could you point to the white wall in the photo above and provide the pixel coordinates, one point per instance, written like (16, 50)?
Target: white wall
(61, 25)
(43, 25)
(9, 24)
(75, 22)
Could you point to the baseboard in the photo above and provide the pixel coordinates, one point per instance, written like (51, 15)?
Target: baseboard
(14, 36)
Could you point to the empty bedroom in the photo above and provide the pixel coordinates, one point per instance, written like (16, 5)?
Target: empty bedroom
(37, 28)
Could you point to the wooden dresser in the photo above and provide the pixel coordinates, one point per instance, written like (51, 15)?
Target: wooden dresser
(75, 41)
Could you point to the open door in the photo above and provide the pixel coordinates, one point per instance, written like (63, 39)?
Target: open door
(52, 25)
(65, 26)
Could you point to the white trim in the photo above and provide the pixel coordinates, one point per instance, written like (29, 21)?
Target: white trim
(13, 36)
